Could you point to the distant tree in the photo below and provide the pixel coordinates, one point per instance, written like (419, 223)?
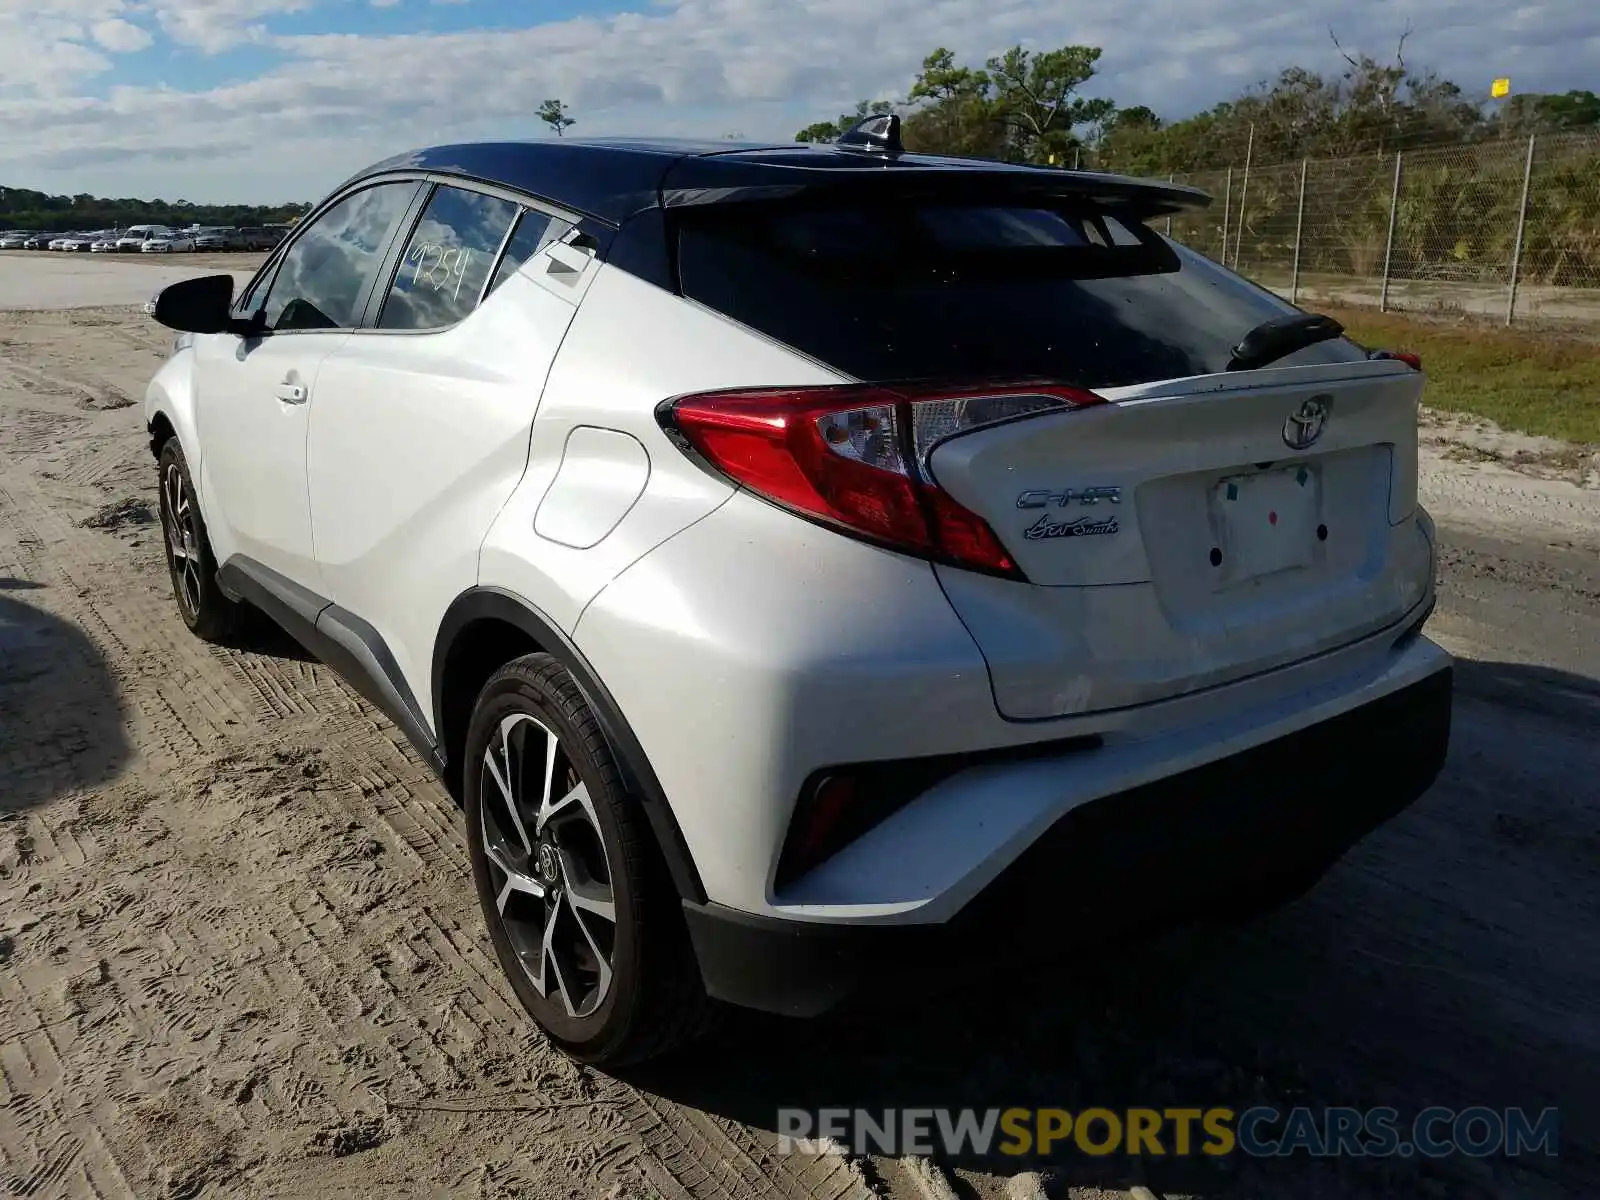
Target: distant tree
(819, 131)
(1563, 113)
(554, 114)
(1029, 106)
(1370, 106)
(1131, 139)
(1573, 110)
(1138, 117)
(1022, 105)
(1388, 105)
(953, 110)
(22, 208)
(1035, 98)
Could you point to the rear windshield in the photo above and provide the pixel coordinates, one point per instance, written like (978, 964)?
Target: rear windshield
(916, 291)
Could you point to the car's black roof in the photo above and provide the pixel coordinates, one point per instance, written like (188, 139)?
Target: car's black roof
(613, 178)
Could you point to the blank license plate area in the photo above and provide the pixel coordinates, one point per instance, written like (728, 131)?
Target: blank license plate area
(1265, 523)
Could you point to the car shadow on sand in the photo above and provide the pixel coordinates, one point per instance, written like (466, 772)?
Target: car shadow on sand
(258, 633)
(1450, 959)
(61, 717)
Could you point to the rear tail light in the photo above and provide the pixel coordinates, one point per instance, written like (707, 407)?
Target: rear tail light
(1414, 361)
(855, 457)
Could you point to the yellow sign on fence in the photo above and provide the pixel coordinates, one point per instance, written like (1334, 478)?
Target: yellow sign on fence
(1500, 88)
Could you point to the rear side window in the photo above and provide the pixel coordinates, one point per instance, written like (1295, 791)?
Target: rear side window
(961, 291)
(447, 259)
(535, 231)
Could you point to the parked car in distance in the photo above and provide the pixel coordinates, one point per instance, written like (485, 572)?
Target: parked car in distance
(262, 237)
(135, 236)
(167, 243)
(218, 238)
(815, 579)
(16, 239)
(73, 242)
(39, 241)
(106, 243)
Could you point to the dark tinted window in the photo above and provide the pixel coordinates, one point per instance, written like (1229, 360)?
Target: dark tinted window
(447, 259)
(958, 291)
(534, 232)
(324, 275)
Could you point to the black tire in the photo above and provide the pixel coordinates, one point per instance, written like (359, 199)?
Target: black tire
(652, 1002)
(191, 566)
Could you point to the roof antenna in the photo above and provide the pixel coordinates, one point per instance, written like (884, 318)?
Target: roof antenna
(875, 135)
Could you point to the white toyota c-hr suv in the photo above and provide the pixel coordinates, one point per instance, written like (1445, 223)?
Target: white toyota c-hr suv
(806, 562)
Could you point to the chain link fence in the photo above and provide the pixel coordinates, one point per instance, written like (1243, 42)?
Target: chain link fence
(1504, 229)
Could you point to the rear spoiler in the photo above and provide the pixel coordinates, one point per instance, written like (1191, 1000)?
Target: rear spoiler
(802, 175)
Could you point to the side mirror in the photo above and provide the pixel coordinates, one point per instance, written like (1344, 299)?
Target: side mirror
(201, 305)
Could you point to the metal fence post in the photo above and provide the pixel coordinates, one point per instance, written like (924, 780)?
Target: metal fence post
(1170, 179)
(1227, 216)
(1388, 251)
(1299, 224)
(1522, 224)
(1077, 158)
(1244, 193)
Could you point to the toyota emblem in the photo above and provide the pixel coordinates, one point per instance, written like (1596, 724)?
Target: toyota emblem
(1305, 425)
(549, 864)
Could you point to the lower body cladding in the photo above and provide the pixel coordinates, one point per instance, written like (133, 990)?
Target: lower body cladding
(1236, 834)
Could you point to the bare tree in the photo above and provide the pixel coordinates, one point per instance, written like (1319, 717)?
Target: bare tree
(1385, 80)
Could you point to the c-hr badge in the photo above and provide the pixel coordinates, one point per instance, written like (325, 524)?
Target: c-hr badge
(1044, 497)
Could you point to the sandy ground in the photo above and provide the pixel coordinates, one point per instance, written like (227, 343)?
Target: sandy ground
(42, 279)
(239, 954)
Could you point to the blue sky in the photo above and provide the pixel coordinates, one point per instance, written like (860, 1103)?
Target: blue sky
(268, 100)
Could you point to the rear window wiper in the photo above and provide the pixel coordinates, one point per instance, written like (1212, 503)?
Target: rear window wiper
(1281, 337)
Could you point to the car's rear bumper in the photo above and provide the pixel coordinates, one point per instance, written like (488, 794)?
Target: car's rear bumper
(792, 651)
(1117, 866)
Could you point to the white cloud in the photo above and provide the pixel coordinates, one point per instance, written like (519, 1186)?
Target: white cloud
(212, 26)
(50, 69)
(119, 36)
(40, 50)
(764, 67)
(68, 11)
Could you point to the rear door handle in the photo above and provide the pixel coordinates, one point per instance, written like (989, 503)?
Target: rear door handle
(292, 393)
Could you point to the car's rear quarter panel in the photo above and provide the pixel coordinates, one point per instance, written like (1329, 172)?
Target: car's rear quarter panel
(631, 346)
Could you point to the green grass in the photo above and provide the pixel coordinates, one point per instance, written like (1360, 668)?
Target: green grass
(1529, 382)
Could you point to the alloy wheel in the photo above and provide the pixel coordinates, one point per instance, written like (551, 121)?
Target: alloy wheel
(183, 539)
(548, 865)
